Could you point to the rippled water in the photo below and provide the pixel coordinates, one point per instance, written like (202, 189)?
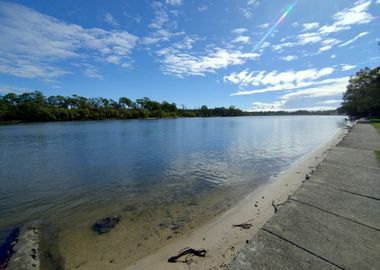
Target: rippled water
(151, 171)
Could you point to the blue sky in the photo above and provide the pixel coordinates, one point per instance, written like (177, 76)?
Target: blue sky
(217, 53)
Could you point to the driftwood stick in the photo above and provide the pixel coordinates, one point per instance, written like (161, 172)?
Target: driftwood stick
(243, 225)
(188, 252)
(275, 206)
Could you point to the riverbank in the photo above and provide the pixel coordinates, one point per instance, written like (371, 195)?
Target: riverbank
(219, 237)
(332, 221)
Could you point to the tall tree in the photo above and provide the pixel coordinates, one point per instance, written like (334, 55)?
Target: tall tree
(362, 97)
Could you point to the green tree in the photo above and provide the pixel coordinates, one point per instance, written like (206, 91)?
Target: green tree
(362, 97)
(125, 102)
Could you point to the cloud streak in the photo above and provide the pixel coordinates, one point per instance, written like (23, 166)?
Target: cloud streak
(348, 42)
(342, 20)
(183, 64)
(108, 18)
(325, 89)
(32, 43)
(276, 81)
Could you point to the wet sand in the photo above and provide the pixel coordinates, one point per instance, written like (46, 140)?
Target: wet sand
(144, 229)
(219, 237)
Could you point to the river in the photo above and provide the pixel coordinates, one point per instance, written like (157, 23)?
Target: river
(164, 177)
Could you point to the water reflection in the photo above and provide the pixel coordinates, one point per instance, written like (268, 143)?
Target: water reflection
(55, 170)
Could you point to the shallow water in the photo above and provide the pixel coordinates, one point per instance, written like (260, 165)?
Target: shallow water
(164, 177)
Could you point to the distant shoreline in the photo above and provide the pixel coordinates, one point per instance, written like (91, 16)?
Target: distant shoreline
(35, 107)
(10, 122)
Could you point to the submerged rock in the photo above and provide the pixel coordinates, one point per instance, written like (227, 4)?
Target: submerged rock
(23, 251)
(106, 224)
(6, 247)
(31, 246)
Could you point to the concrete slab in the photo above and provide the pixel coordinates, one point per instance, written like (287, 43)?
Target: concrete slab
(362, 136)
(354, 207)
(353, 157)
(333, 218)
(342, 242)
(266, 251)
(346, 177)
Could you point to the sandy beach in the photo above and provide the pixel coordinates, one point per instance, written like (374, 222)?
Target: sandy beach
(219, 237)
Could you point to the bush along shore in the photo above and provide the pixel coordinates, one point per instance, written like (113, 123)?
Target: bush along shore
(35, 107)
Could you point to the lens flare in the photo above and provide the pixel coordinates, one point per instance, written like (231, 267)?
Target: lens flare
(270, 31)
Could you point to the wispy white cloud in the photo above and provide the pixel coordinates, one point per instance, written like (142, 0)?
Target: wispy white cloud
(247, 11)
(281, 106)
(335, 87)
(348, 67)
(312, 108)
(328, 29)
(295, 24)
(161, 17)
(5, 89)
(309, 38)
(239, 31)
(202, 7)
(276, 81)
(330, 41)
(310, 26)
(263, 26)
(344, 19)
(159, 36)
(241, 39)
(325, 48)
(330, 101)
(281, 46)
(174, 2)
(108, 18)
(348, 42)
(178, 47)
(32, 43)
(163, 27)
(289, 58)
(92, 72)
(184, 64)
(267, 107)
(30, 68)
(275, 108)
(253, 2)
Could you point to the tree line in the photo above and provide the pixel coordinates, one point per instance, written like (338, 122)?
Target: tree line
(362, 97)
(34, 106)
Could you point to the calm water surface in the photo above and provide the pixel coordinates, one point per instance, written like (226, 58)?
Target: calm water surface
(72, 173)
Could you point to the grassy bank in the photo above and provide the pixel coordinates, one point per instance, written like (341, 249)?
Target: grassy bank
(376, 124)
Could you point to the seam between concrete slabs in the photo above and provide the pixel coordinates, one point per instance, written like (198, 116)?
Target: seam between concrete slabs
(331, 213)
(321, 184)
(365, 149)
(351, 165)
(302, 248)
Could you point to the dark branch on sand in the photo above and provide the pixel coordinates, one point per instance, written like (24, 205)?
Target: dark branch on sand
(275, 206)
(245, 226)
(188, 252)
